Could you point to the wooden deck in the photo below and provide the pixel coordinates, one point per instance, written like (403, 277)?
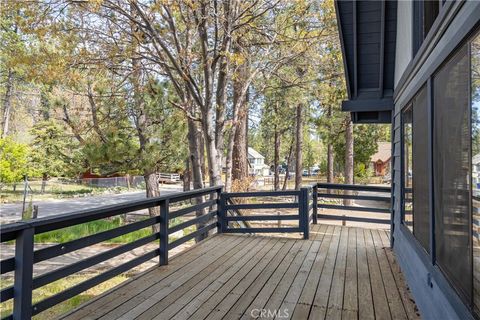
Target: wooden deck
(340, 273)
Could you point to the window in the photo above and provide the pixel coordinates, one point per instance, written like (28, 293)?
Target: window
(416, 184)
(451, 165)
(430, 13)
(421, 218)
(455, 154)
(407, 124)
(475, 132)
(424, 15)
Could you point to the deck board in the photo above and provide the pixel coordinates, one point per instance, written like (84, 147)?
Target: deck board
(340, 273)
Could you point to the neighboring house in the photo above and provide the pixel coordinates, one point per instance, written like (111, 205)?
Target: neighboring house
(380, 161)
(476, 173)
(256, 163)
(416, 66)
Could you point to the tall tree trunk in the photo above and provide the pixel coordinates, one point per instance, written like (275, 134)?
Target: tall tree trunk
(7, 104)
(44, 182)
(298, 147)
(330, 160)
(276, 160)
(141, 122)
(348, 157)
(330, 154)
(152, 190)
(236, 162)
(214, 158)
(289, 161)
(228, 160)
(195, 155)
(240, 146)
(201, 154)
(187, 175)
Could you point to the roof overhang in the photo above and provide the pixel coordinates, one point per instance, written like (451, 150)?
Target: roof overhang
(368, 38)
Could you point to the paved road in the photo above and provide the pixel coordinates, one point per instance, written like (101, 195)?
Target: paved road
(12, 212)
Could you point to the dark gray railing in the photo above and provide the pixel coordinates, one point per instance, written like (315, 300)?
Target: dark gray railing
(302, 203)
(377, 194)
(211, 202)
(25, 256)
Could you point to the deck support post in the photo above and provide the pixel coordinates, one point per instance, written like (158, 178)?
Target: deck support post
(220, 211)
(315, 203)
(164, 232)
(303, 212)
(22, 288)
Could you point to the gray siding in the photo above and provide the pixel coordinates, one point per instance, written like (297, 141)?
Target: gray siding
(404, 38)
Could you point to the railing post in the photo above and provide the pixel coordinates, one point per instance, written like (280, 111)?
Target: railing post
(222, 213)
(219, 210)
(315, 203)
(22, 288)
(164, 232)
(303, 211)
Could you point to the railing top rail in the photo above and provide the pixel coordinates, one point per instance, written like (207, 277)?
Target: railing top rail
(354, 187)
(261, 194)
(7, 231)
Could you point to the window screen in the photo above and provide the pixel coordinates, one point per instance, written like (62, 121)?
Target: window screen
(451, 157)
(415, 161)
(407, 133)
(421, 217)
(475, 169)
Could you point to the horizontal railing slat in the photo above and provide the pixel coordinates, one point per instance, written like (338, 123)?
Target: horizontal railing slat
(91, 261)
(260, 194)
(9, 231)
(353, 197)
(353, 187)
(264, 230)
(190, 236)
(352, 208)
(83, 286)
(181, 226)
(249, 206)
(356, 219)
(181, 196)
(6, 294)
(184, 211)
(7, 265)
(262, 217)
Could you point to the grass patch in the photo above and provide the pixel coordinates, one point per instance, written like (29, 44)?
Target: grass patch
(58, 286)
(93, 227)
(89, 228)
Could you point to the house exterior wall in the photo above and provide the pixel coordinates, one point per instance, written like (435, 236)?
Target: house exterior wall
(404, 38)
(433, 294)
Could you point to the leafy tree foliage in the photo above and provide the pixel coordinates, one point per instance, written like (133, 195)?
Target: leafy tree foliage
(50, 150)
(13, 160)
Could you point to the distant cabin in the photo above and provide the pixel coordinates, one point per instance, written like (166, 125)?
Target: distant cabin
(476, 173)
(256, 163)
(380, 161)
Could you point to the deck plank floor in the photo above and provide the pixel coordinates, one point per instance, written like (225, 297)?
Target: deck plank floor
(340, 273)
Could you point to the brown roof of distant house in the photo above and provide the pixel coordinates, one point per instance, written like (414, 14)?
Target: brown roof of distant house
(384, 152)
